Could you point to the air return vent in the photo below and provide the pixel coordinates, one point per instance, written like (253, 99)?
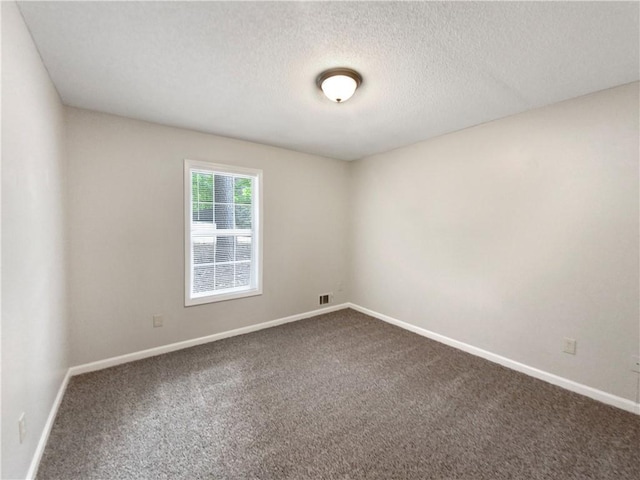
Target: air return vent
(326, 298)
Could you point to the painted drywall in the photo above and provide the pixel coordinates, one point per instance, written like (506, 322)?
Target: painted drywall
(35, 322)
(512, 235)
(126, 233)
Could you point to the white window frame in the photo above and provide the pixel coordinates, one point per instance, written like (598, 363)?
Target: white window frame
(256, 260)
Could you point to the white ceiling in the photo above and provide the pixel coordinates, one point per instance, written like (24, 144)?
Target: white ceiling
(247, 70)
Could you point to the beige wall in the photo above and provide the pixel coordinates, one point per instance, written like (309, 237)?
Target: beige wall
(34, 293)
(512, 235)
(508, 236)
(126, 218)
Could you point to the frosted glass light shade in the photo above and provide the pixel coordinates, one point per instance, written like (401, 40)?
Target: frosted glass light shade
(339, 88)
(339, 84)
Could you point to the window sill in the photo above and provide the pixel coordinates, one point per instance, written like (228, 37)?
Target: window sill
(190, 302)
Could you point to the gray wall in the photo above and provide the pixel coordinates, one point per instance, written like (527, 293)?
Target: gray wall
(126, 218)
(512, 235)
(34, 287)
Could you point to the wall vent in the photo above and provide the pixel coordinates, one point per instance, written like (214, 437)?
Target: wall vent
(326, 298)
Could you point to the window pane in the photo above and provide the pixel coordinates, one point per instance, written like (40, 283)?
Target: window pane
(243, 274)
(243, 216)
(203, 250)
(221, 232)
(203, 279)
(243, 190)
(224, 276)
(224, 216)
(202, 212)
(202, 190)
(224, 249)
(243, 248)
(223, 189)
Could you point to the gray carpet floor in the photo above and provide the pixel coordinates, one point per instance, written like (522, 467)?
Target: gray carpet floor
(338, 396)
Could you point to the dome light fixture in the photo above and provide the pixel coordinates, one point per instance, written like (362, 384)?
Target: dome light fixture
(339, 84)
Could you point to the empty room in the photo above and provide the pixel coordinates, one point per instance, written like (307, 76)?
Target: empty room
(320, 240)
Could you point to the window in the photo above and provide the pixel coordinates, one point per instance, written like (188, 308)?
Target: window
(222, 232)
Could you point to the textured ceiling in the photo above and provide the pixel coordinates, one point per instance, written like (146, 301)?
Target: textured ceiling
(247, 70)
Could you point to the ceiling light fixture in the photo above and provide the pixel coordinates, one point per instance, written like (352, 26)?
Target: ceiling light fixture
(339, 84)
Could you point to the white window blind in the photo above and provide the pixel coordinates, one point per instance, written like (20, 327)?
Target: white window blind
(222, 254)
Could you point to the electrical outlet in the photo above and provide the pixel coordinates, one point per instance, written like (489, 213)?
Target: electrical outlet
(569, 346)
(158, 321)
(635, 363)
(340, 286)
(22, 427)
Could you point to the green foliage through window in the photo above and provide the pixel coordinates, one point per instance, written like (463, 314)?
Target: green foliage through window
(206, 200)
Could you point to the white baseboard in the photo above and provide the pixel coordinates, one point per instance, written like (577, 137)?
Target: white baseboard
(565, 383)
(172, 347)
(37, 456)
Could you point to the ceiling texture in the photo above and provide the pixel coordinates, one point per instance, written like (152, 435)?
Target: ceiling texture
(248, 70)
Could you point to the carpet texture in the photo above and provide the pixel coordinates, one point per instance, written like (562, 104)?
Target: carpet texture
(338, 396)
